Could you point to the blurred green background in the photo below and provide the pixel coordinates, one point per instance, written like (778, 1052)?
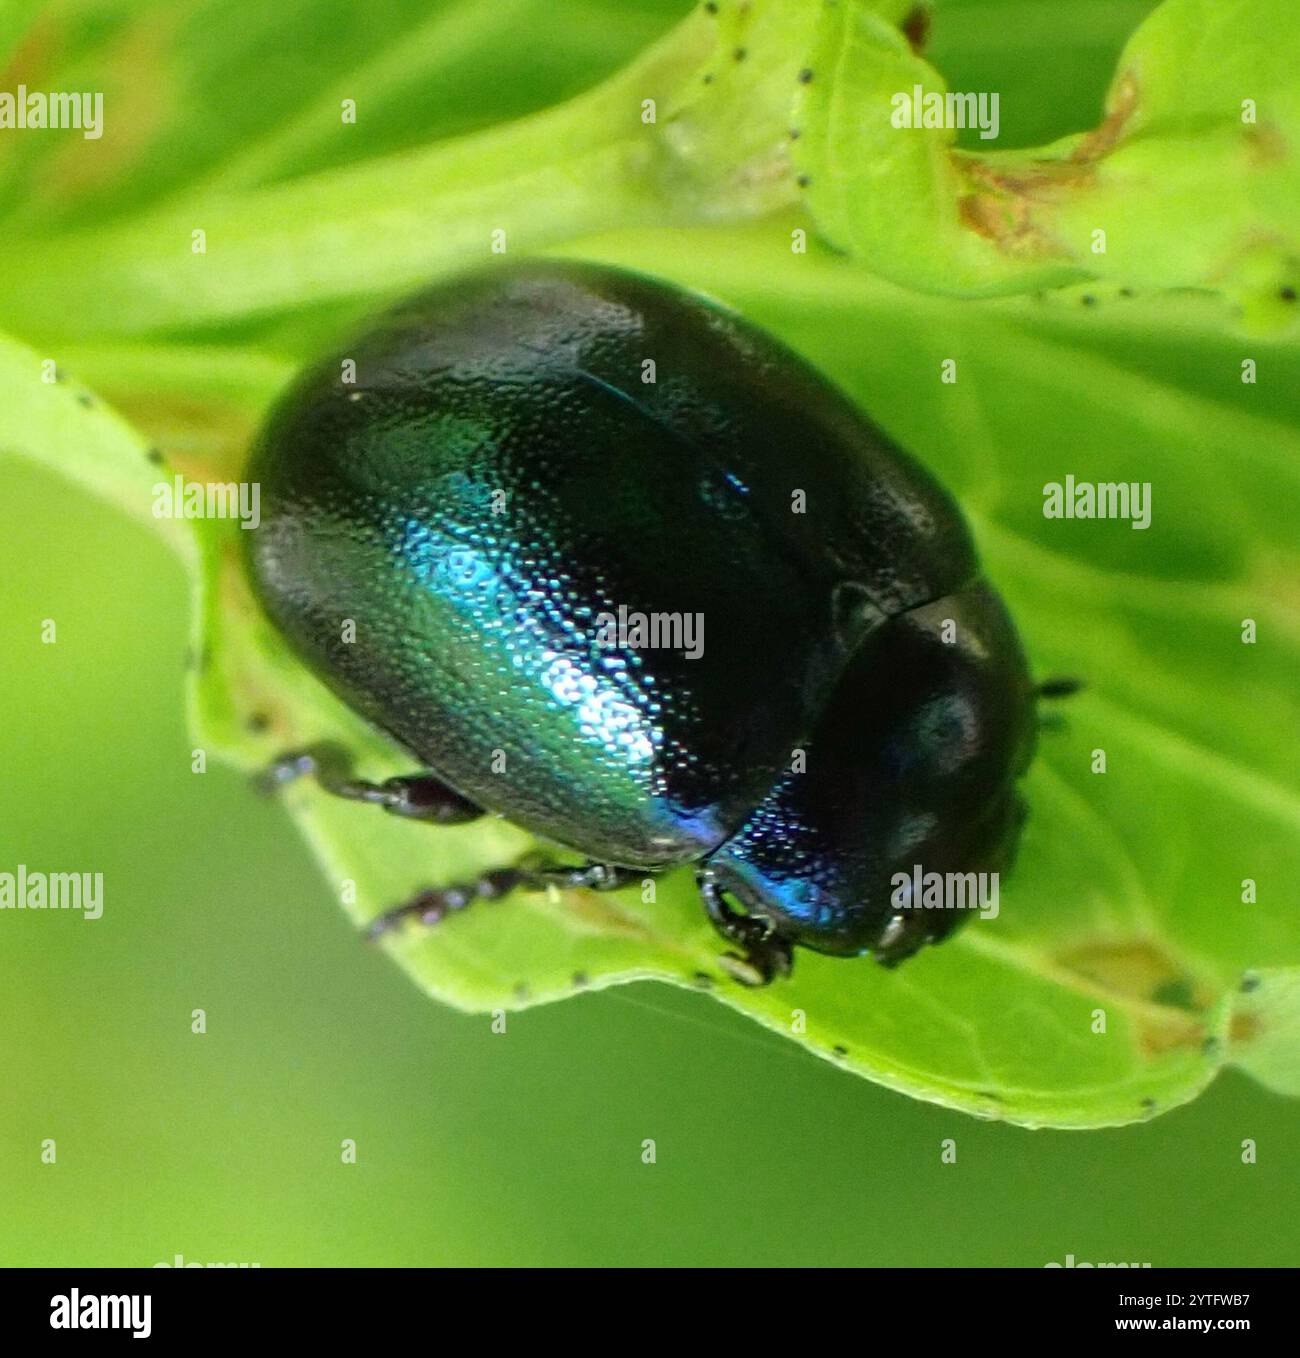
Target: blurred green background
(473, 1147)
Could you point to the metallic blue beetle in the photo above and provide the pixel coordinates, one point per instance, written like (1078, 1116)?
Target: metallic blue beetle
(541, 469)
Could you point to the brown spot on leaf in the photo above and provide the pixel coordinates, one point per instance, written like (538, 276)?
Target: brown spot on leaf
(1009, 205)
(139, 85)
(1245, 1026)
(35, 55)
(982, 215)
(1103, 139)
(1156, 1037)
(1006, 203)
(1166, 1002)
(205, 440)
(1138, 969)
(1265, 145)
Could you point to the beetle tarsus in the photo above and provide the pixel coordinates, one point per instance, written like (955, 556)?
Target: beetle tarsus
(764, 951)
(771, 958)
(420, 796)
(588, 877)
(434, 904)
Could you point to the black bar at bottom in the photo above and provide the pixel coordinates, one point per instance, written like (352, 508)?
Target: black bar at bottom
(343, 1305)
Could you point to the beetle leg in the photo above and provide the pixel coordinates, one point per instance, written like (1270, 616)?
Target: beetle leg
(903, 936)
(432, 906)
(765, 950)
(588, 877)
(420, 796)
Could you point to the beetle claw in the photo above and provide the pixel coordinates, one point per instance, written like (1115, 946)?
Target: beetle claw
(761, 964)
(767, 955)
(773, 959)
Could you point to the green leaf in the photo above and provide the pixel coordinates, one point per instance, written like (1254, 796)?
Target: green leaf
(1198, 128)
(238, 246)
(1265, 1028)
(1127, 901)
(49, 416)
(1119, 901)
(211, 96)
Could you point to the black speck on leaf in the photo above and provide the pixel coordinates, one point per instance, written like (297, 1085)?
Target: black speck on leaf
(916, 28)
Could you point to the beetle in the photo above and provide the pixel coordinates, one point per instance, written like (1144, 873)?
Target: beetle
(531, 456)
